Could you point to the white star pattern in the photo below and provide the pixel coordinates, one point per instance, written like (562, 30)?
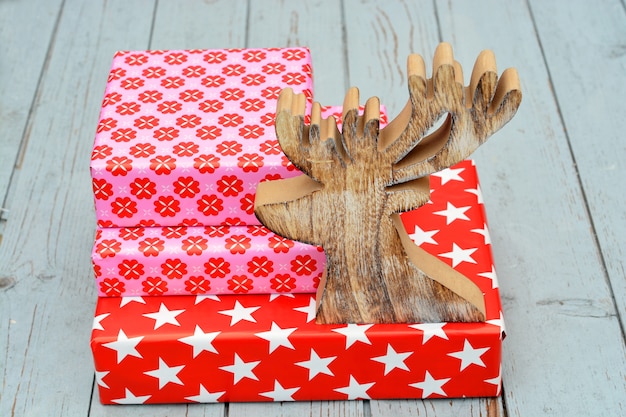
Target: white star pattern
(431, 330)
(124, 346)
(354, 333)
(449, 174)
(497, 381)
(492, 276)
(452, 213)
(100, 378)
(164, 316)
(476, 191)
(430, 385)
(241, 369)
(277, 337)
(279, 393)
(469, 355)
(166, 374)
(485, 234)
(500, 323)
(130, 398)
(239, 312)
(317, 365)
(275, 295)
(97, 325)
(200, 341)
(420, 236)
(201, 298)
(459, 255)
(393, 359)
(355, 391)
(308, 310)
(128, 300)
(205, 396)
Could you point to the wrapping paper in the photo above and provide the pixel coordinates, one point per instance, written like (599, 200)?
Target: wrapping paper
(202, 260)
(179, 260)
(251, 259)
(267, 347)
(184, 137)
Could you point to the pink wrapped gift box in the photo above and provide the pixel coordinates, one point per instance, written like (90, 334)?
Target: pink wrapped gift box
(184, 137)
(138, 261)
(203, 260)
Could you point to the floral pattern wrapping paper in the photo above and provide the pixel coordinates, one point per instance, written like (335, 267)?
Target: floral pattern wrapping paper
(175, 260)
(185, 136)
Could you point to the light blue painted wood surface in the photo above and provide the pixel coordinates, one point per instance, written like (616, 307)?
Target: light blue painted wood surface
(550, 188)
(588, 78)
(25, 32)
(564, 333)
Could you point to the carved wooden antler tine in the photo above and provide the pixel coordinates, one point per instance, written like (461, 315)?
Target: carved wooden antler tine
(368, 123)
(406, 129)
(331, 133)
(483, 82)
(323, 146)
(507, 98)
(350, 115)
(371, 111)
(489, 96)
(458, 72)
(448, 92)
(290, 127)
(316, 128)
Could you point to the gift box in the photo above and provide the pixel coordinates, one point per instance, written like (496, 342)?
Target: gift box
(184, 137)
(202, 260)
(269, 348)
(192, 260)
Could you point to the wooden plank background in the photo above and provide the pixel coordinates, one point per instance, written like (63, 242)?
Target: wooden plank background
(552, 181)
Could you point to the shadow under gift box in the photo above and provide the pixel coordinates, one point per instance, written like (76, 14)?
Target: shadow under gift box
(268, 348)
(185, 136)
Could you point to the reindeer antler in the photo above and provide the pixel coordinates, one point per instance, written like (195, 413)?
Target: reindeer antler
(358, 180)
(474, 113)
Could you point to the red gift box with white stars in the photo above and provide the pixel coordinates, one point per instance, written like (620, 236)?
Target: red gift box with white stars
(267, 347)
(185, 136)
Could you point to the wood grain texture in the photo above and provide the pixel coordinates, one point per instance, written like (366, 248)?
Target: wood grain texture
(199, 24)
(564, 354)
(389, 31)
(26, 29)
(466, 407)
(380, 35)
(46, 315)
(293, 409)
(362, 177)
(316, 24)
(587, 75)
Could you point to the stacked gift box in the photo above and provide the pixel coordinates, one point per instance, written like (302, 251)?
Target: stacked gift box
(200, 303)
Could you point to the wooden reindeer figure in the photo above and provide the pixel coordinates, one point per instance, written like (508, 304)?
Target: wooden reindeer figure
(357, 181)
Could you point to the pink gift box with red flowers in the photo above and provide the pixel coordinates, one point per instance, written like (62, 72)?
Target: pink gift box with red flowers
(202, 260)
(184, 137)
(268, 348)
(175, 260)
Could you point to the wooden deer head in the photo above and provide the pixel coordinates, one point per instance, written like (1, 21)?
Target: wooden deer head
(357, 181)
